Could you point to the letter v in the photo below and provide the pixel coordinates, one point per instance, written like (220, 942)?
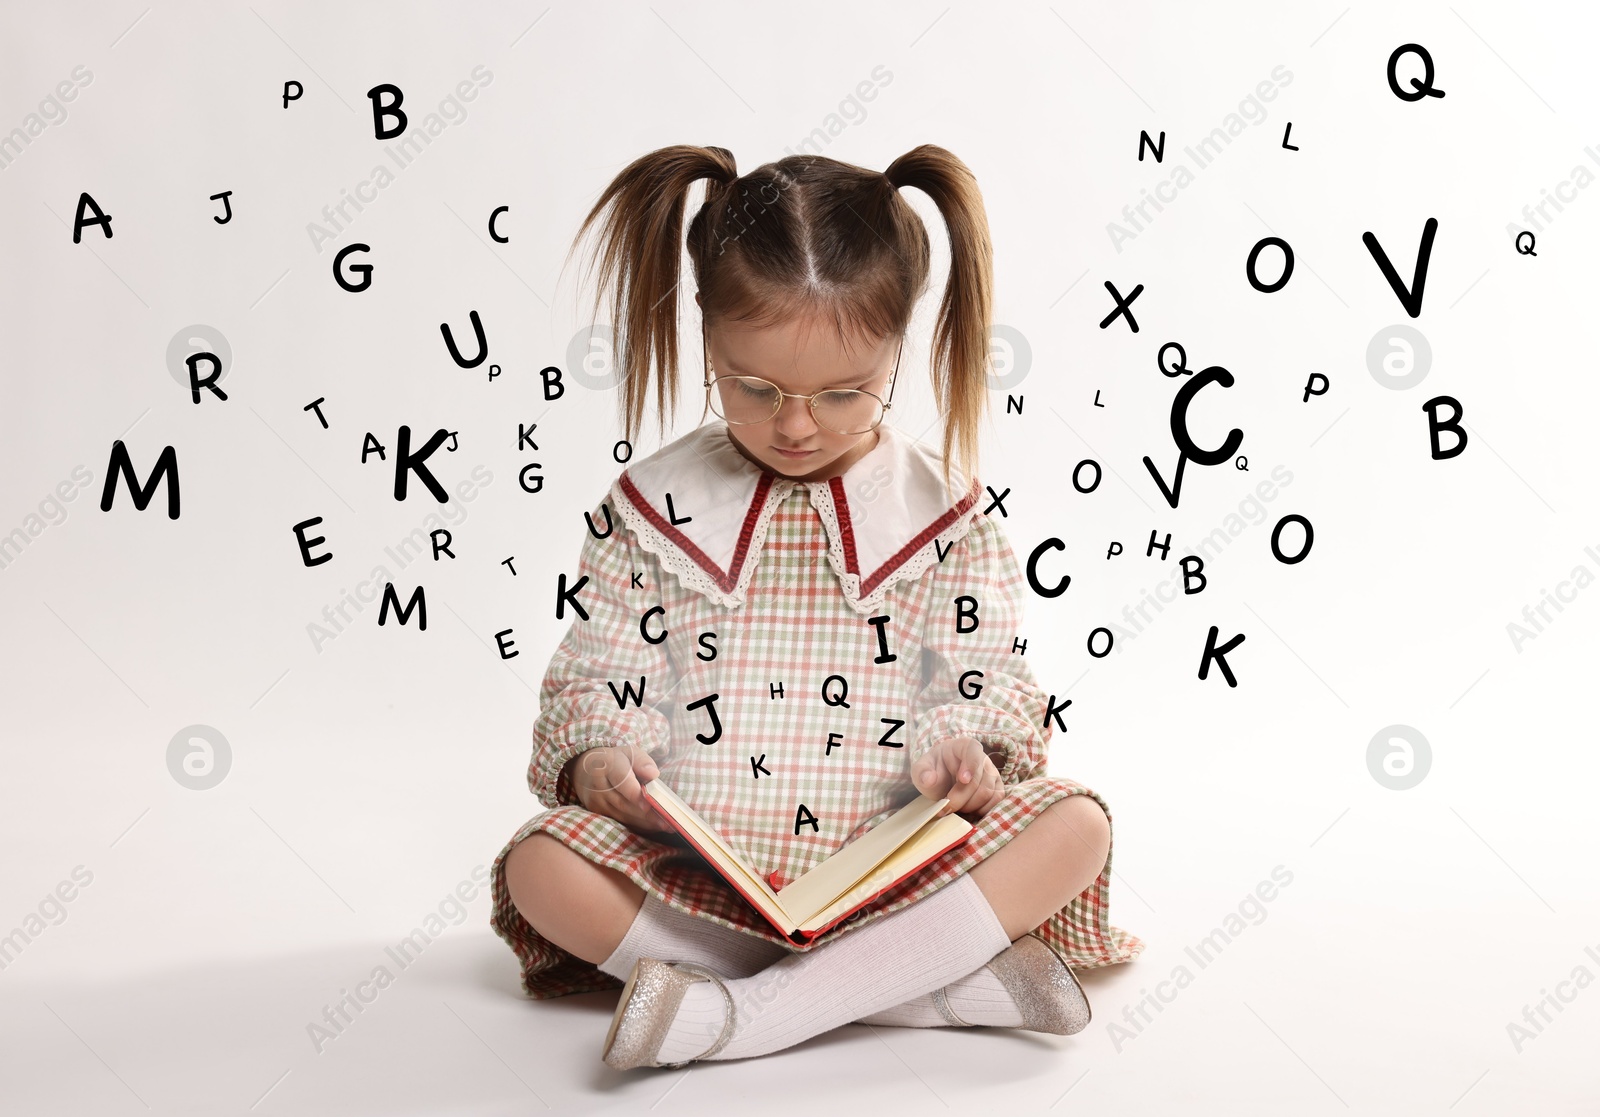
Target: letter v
(1177, 479)
(1412, 299)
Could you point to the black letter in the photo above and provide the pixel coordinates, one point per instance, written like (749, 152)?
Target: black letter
(455, 354)
(166, 466)
(79, 224)
(417, 602)
(1218, 654)
(363, 270)
(405, 462)
(379, 111)
(1288, 265)
(307, 544)
(1412, 299)
(1452, 424)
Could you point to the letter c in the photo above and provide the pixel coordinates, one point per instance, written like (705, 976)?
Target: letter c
(645, 620)
(1180, 421)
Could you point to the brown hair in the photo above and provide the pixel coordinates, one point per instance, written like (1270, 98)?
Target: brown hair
(805, 236)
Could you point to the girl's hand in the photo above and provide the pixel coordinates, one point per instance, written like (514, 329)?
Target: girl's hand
(958, 767)
(607, 780)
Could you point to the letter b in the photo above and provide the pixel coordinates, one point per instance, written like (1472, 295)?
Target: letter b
(381, 110)
(1451, 424)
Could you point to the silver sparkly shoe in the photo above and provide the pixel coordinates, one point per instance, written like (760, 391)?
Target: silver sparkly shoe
(649, 1001)
(1041, 985)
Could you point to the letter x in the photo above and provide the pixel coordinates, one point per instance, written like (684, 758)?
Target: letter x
(1122, 307)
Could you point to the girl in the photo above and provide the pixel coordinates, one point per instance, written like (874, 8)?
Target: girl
(799, 618)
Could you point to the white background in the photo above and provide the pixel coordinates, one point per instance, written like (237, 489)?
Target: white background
(370, 776)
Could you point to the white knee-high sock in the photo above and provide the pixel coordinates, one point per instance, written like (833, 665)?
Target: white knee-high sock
(978, 998)
(916, 950)
(663, 932)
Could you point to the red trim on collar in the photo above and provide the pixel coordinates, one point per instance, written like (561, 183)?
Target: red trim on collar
(916, 544)
(725, 579)
(841, 513)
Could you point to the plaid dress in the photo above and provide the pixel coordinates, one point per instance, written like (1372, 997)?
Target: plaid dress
(785, 650)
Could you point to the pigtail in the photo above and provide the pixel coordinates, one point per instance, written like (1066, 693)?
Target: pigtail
(641, 247)
(961, 338)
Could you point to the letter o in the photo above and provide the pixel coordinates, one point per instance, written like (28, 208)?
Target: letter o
(1288, 265)
(1078, 468)
(1109, 641)
(1305, 548)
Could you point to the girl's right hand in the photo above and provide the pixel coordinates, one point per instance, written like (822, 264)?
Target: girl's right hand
(607, 780)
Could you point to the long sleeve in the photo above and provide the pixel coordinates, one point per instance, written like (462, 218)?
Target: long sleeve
(605, 677)
(979, 580)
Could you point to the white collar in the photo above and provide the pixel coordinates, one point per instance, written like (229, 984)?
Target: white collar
(702, 508)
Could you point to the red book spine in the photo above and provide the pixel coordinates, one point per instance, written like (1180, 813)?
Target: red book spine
(784, 931)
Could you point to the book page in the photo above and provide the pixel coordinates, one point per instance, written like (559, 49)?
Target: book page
(726, 859)
(826, 881)
(935, 835)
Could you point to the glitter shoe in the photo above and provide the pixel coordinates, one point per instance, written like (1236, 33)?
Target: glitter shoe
(649, 1001)
(1041, 985)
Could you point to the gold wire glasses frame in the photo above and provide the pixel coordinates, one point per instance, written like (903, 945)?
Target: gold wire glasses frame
(778, 394)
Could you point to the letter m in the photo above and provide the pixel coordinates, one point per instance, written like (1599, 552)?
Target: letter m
(166, 468)
(418, 602)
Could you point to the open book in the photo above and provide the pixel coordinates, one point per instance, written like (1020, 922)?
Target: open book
(837, 886)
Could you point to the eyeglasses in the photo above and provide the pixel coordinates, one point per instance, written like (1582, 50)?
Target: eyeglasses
(746, 400)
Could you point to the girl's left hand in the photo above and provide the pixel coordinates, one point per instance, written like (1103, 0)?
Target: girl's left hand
(959, 769)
